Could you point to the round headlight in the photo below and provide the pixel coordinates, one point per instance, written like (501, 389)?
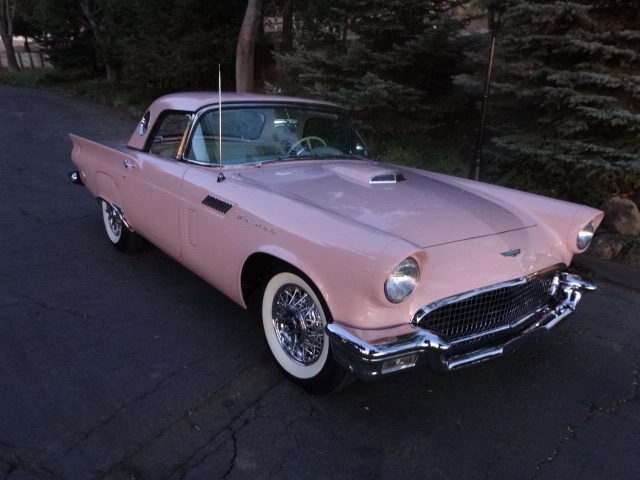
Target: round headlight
(585, 235)
(402, 281)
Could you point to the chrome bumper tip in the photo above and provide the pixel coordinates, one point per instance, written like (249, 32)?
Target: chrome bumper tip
(75, 178)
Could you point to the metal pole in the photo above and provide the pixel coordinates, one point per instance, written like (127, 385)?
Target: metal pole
(483, 115)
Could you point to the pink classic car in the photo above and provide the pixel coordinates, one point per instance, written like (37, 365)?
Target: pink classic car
(360, 269)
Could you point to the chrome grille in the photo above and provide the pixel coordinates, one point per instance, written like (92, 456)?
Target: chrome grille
(472, 318)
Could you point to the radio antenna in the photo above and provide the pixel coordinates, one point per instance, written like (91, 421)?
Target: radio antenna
(220, 174)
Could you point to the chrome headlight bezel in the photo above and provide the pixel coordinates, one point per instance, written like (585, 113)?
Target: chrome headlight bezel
(583, 240)
(402, 281)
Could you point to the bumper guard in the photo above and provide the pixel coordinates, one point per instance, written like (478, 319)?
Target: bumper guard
(420, 347)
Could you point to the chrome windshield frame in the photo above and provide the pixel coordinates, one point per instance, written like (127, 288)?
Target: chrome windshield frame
(196, 117)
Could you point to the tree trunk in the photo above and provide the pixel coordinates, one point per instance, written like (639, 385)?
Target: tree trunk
(7, 11)
(102, 43)
(245, 53)
(287, 28)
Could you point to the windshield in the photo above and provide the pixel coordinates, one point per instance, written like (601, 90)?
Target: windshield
(267, 133)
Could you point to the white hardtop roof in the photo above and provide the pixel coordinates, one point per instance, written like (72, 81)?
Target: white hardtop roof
(192, 101)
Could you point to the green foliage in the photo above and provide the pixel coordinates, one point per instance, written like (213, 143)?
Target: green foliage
(34, 78)
(126, 96)
(575, 171)
(58, 27)
(197, 36)
(377, 55)
(567, 82)
(165, 44)
(418, 149)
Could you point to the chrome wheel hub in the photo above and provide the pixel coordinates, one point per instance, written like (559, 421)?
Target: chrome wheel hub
(298, 324)
(114, 220)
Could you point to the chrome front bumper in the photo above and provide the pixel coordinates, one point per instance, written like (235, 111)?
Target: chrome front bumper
(420, 347)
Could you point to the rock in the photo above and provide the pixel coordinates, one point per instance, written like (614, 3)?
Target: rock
(621, 216)
(632, 258)
(606, 246)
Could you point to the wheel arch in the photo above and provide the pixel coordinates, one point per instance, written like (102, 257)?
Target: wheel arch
(290, 330)
(259, 265)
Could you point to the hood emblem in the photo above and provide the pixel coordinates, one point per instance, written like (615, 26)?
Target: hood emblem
(511, 253)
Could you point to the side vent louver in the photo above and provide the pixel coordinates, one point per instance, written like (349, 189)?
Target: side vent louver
(386, 178)
(217, 204)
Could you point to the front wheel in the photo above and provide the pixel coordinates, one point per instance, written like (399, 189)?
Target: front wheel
(119, 234)
(294, 321)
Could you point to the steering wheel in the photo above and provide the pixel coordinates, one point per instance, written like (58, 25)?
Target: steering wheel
(300, 143)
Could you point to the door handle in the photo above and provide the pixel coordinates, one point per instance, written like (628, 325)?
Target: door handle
(129, 165)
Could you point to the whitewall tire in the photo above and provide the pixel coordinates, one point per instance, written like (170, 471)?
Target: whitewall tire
(117, 232)
(294, 321)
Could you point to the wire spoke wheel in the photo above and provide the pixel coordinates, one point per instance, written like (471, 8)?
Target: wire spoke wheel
(294, 320)
(117, 231)
(112, 222)
(298, 324)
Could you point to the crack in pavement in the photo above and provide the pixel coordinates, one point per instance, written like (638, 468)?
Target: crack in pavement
(54, 307)
(610, 341)
(139, 398)
(247, 415)
(532, 358)
(298, 446)
(592, 412)
(15, 464)
(214, 400)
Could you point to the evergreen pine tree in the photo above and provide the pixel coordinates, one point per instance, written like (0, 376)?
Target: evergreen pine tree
(375, 55)
(178, 44)
(567, 88)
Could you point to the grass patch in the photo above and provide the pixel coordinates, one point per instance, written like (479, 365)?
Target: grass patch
(120, 95)
(129, 97)
(33, 78)
(420, 150)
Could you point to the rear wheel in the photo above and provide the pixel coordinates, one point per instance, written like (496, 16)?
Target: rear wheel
(294, 321)
(119, 234)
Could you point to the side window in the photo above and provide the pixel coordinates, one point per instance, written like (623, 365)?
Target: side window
(204, 143)
(168, 133)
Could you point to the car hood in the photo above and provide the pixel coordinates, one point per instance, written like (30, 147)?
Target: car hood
(404, 202)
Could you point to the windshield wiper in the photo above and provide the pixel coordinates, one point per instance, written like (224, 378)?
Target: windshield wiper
(329, 156)
(287, 158)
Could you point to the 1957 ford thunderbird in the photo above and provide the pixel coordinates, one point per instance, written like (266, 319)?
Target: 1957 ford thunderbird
(360, 268)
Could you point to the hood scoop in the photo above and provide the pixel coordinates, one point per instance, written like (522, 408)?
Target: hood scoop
(385, 178)
(367, 174)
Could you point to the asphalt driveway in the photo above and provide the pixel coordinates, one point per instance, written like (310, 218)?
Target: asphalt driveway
(118, 366)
